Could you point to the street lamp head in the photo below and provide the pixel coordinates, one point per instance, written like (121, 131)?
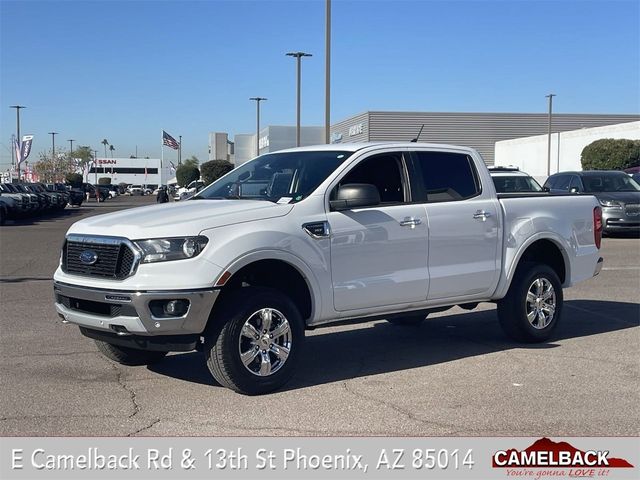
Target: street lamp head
(17, 106)
(53, 133)
(258, 99)
(298, 54)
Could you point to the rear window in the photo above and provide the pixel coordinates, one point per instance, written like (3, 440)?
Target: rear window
(515, 184)
(447, 176)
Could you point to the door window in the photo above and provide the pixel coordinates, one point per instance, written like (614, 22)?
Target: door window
(384, 171)
(562, 182)
(576, 183)
(445, 177)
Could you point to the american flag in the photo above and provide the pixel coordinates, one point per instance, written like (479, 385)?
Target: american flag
(169, 141)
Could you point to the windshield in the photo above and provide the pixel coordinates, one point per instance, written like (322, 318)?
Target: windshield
(515, 183)
(610, 182)
(285, 177)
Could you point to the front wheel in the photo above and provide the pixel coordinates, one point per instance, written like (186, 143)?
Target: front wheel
(261, 334)
(532, 308)
(129, 356)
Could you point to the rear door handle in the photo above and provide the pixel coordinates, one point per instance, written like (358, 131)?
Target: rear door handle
(481, 215)
(410, 222)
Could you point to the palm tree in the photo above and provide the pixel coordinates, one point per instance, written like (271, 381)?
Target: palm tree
(105, 142)
(112, 149)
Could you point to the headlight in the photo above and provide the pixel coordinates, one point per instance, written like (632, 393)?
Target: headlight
(166, 249)
(610, 204)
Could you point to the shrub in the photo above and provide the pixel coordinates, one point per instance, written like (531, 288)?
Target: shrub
(74, 179)
(185, 174)
(213, 170)
(104, 181)
(611, 154)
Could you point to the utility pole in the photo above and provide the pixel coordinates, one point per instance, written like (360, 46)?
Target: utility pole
(298, 56)
(95, 171)
(550, 97)
(327, 72)
(53, 155)
(18, 160)
(257, 100)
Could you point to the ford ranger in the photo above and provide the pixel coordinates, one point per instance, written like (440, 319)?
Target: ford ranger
(304, 237)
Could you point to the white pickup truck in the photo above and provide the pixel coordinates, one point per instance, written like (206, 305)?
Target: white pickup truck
(300, 238)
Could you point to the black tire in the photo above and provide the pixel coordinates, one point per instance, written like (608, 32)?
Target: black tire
(408, 321)
(129, 356)
(513, 308)
(225, 340)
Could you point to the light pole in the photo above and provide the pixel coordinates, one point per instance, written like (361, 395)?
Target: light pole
(180, 150)
(53, 153)
(95, 171)
(327, 72)
(71, 147)
(298, 56)
(550, 97)
(257, 100)
(18, 160)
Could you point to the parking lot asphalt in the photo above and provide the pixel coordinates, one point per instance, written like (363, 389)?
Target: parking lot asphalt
(456, 374)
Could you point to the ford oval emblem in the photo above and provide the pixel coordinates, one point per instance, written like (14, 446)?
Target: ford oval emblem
(88, 257)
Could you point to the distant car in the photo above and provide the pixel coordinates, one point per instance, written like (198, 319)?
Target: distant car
(617, 192)
(135, 190)
(512, 180)
(189, 191)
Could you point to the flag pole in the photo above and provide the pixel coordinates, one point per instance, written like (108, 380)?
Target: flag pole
(161, 156)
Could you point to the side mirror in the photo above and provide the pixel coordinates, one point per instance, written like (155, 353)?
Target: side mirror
(574, 190)
(546, 189)
(354, 195)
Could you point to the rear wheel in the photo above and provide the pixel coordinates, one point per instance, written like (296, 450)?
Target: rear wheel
(259, 337)
(532, 308)
(129, 356)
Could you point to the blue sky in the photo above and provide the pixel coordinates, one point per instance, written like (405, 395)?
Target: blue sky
(125, 70)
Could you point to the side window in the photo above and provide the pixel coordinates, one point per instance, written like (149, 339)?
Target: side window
(562, 182)
(576, 183)
(384, 171)
(447, 176)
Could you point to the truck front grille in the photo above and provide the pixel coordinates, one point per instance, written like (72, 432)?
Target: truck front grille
(113, 258)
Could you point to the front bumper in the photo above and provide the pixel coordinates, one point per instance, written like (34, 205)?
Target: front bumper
(619, 221)
(129, 313)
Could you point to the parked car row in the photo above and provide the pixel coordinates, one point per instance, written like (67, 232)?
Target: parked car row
(617, 192)
(22, 200)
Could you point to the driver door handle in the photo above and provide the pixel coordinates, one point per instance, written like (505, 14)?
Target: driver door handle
(481, 215)
(410, 222)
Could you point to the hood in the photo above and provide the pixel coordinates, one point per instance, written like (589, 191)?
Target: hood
(183, 218)
(624, 197)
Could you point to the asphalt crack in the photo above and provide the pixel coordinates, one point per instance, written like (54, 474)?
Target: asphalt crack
(146, 427)
(132, 393)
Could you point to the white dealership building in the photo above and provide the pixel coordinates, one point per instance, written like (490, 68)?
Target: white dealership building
(135, 171)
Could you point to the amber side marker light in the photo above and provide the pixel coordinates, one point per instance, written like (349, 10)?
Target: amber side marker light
(226, 276)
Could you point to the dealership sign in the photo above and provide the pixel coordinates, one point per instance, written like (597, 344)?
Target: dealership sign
(545, 453)
(356, 129)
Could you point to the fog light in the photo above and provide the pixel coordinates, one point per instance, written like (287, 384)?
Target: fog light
(176, 308)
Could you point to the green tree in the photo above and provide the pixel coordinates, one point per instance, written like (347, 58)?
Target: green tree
(213, 170)
(191, 161)
(185, 174)
(105, 142)
(611, 154)
(73, 179)
(104, 181)
(82, 156)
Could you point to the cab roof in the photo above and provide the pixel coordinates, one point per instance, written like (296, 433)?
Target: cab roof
(354, 147)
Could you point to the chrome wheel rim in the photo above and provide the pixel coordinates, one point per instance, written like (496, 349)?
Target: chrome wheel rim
(265, 342)
(540, 303)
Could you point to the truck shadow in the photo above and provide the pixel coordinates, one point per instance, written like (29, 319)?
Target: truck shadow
(379, 347)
